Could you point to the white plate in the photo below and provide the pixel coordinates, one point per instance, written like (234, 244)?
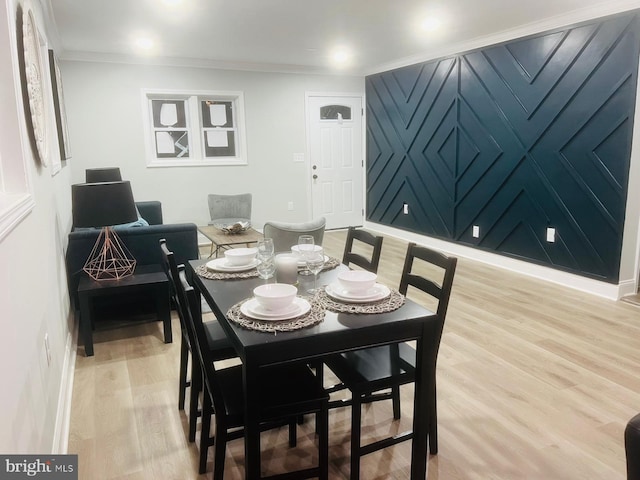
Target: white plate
(222, 265)
(251, 308)
(303, 264)
(375, 293)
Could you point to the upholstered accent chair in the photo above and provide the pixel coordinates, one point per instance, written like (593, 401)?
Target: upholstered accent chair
(286, 234)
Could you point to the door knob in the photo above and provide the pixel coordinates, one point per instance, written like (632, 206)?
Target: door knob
(315, 176)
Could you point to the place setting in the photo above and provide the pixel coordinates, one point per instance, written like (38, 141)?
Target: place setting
(276, 307)
(306, 248)
(236, 263)
(357, 291)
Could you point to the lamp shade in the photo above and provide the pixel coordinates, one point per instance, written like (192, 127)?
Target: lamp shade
(96, 175)
(102, 204)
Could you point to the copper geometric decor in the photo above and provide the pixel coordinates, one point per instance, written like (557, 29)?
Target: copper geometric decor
(109, 258)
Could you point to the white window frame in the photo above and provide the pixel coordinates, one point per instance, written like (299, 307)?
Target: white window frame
(16, 196)
(196, 130)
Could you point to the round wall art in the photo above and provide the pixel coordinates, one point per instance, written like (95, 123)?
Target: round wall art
(34, 83)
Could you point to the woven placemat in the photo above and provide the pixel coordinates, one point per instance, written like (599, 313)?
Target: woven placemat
(393, 302)
(204, 272)
(312, 317)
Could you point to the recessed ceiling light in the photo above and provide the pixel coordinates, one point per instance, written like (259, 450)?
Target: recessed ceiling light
(431, 24)
(144, 44)
(341, 57)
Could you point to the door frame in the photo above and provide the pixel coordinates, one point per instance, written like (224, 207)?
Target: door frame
(307, 115)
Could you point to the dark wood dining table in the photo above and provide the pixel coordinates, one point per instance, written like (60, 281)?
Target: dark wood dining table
(338, 332)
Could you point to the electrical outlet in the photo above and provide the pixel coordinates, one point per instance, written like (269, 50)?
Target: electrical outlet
(405, 208)
(47, 349)
(290, 206)
(476, 231)
(551, 234)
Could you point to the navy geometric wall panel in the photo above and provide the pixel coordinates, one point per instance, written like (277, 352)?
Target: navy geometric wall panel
(513, 138)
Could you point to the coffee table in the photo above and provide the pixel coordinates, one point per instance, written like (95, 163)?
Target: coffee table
(221, 240)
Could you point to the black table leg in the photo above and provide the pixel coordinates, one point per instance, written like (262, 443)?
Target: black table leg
(252, 424)
(420, 414)
(86, 329)
(163, 308)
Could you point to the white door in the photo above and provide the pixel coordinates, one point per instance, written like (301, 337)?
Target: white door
(335, 154)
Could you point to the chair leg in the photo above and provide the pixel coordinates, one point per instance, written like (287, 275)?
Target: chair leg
(184, 361)
(395, 395)
(194, 395)
(433, 426)
(356, 421)
(205, 432)
(322, 426)
(220, 447)
(293, 434)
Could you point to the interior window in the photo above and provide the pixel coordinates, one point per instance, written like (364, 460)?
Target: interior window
(335, 112)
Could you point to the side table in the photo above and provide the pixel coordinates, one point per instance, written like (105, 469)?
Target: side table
(148, 278)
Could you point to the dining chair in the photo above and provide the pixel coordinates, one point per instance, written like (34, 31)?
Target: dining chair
(218, 344)
(359, 243)
(286, 392)
(229, 209)
(367, 371)
(286, 234)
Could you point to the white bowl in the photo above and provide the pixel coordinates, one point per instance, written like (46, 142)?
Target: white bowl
(357, 280)
(275, 296)
(297, 249)
(240, 256)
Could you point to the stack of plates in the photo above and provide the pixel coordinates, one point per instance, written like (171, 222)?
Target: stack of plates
(374, 294)
(222, 265)
(252, 309)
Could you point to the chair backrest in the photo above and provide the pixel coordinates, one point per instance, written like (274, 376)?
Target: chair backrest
(374, 242)
(230, 207)
(285, 235)
(193, 318)
(171, 269)
(438, 289)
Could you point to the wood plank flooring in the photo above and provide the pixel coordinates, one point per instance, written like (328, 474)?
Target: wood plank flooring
(535, 381)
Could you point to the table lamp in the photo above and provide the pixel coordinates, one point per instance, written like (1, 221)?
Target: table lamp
(104, 205)
(109, 174)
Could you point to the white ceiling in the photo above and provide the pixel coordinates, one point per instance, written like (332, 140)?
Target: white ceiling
(298, 35)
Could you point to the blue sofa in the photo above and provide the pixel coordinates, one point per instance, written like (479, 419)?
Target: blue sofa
(141, 241)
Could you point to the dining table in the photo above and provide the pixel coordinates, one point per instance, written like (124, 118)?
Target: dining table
(333, 332)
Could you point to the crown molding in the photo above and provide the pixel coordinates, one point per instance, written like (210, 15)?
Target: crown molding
(563, 20)
(78, 56)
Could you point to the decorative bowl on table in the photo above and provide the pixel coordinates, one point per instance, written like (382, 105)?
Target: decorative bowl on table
(275, 296)
(232, 228)
(357, 281)
(240, 256)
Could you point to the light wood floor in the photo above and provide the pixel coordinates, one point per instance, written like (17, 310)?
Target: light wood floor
(535, 381)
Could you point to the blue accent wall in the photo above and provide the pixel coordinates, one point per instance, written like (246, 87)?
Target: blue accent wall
(514, 138)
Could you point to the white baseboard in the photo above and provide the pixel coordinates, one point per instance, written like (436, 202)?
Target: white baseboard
(63, 415)
(584, 284)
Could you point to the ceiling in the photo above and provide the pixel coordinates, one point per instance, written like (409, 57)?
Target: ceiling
(300, 35)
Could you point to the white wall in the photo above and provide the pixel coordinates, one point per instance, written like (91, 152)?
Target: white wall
(104, 109)
(33, 293)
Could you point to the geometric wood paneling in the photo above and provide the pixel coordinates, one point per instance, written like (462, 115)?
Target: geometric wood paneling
(514, 138)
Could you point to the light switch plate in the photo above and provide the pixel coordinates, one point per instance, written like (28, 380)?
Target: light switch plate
(476, 231)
